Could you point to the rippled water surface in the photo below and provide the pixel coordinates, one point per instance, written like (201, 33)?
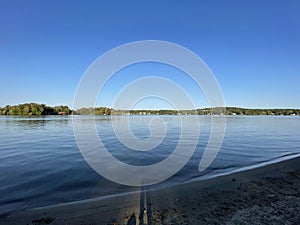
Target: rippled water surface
(41, 164)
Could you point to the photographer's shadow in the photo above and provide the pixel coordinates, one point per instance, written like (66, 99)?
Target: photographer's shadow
(145, 216)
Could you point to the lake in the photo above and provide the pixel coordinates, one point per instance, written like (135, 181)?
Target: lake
(41, 164)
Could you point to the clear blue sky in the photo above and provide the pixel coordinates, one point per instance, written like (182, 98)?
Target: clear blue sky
(253, 47)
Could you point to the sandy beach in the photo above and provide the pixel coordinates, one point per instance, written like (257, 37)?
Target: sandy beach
(265, 195)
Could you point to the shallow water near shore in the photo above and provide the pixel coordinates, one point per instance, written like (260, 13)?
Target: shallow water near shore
(41, 164)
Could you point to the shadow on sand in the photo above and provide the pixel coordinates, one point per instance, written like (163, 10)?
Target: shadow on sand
(145, 216)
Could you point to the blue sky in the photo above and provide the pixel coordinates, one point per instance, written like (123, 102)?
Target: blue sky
(253, 47)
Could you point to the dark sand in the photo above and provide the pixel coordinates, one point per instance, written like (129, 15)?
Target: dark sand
(266, 195)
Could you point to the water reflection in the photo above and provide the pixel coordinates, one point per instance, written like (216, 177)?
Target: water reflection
(29, 123)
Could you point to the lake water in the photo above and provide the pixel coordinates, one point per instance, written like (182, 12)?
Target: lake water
(41, 164)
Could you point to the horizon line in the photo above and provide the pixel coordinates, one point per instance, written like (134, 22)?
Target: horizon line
(157, 109)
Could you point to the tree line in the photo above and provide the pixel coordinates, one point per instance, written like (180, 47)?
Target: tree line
(34, 109)
(204, 111)
(270, 112)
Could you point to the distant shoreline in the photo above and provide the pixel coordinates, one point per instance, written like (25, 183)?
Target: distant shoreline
(35, 109)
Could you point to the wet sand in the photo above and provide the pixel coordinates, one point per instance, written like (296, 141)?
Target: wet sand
(265, 195)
